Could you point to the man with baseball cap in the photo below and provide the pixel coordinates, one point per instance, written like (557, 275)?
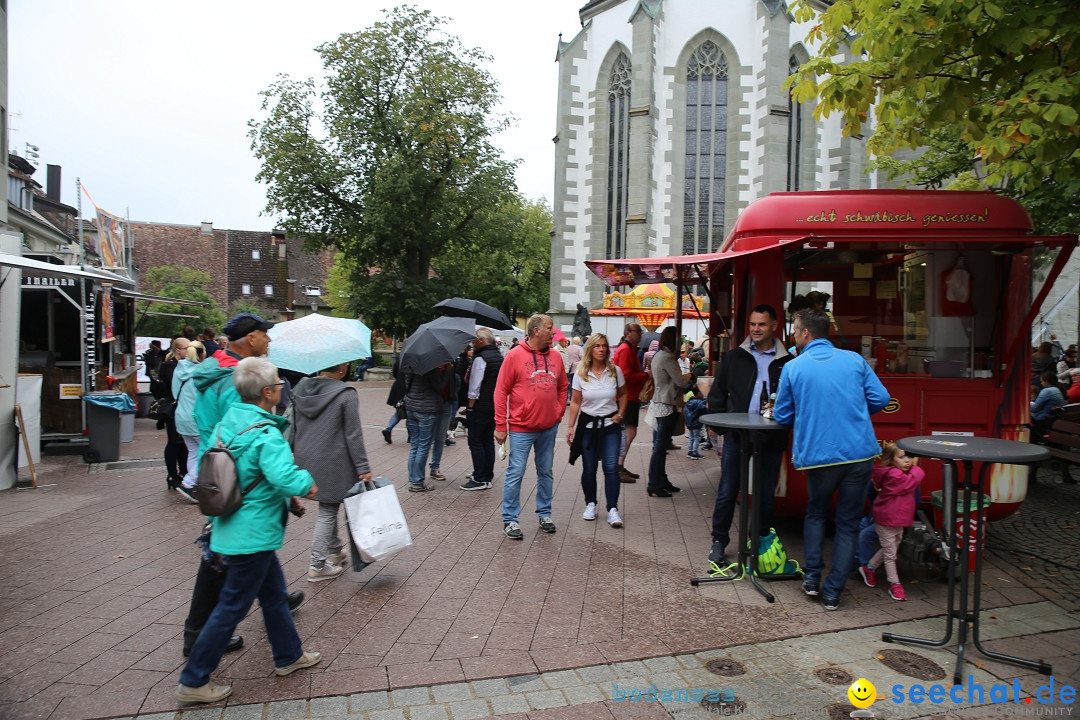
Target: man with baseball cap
(214, 395)
(214, 391)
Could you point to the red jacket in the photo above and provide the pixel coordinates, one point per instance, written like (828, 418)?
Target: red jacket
(530, 394)
(626, 357)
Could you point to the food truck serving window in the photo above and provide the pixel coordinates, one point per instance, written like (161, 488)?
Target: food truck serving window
(908, 308)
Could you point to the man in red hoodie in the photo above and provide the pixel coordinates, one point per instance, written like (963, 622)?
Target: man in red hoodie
(530, 399)
(626, 357)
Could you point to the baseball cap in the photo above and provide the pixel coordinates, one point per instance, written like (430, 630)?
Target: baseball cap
(244, 324)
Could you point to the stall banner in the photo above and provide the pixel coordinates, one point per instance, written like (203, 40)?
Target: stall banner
(107, 329)
(111, 233)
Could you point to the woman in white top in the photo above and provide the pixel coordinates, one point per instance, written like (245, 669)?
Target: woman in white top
(597, 405)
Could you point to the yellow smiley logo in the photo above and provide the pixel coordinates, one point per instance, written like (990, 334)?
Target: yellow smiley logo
(862, 693)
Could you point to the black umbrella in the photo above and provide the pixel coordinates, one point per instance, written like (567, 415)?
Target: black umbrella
(646, 339)
(436, 343)
(482, 313)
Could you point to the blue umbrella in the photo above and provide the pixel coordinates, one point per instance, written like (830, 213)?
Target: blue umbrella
(315, 342)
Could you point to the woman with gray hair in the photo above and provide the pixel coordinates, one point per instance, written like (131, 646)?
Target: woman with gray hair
(249, 538)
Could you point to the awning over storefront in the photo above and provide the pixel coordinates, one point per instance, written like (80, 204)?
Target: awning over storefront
(37, 267)
(159, 299)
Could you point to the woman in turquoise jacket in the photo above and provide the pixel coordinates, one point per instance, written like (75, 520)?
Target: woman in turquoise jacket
(249, 538)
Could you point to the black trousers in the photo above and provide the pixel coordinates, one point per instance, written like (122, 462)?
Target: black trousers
(482, 445)
(208, 584)
(175, 450)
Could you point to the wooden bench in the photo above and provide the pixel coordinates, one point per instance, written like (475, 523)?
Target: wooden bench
(1063, 440)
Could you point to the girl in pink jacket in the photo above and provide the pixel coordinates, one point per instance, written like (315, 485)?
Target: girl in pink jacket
(896, 479)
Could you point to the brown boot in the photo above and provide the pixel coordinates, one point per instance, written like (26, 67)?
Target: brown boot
(626, 476)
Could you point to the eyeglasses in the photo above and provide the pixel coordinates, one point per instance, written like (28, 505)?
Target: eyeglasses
(279, 383)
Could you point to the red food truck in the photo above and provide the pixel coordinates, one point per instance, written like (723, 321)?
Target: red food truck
(933, 288)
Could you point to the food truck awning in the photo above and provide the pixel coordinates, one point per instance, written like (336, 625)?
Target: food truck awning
(159, 299)
(37, 267)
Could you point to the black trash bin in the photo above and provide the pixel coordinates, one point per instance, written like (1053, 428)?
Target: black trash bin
(103, 408)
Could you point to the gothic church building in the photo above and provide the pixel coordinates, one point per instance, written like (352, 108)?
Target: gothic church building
(672, 117)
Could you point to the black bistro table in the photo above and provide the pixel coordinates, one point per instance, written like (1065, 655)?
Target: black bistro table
(744, 424)
(967, 451)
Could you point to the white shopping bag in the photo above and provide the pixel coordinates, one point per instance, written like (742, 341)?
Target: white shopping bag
(377, 524)
(650, 416)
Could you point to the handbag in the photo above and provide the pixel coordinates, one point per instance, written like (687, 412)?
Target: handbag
(402, 413)
(680, 424)
(650, 416)
(647, 391)
(376, 523)
(161, 409)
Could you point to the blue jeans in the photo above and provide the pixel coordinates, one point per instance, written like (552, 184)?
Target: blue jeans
(661, 442)
(867, 536)
(364, 367)
(605, 452)
(482, 445)
(848, 483)
(695, 439)
(257, 575)
(438, 435)
(728, 491)
(394, 420)
(421, 428)
(542, 443)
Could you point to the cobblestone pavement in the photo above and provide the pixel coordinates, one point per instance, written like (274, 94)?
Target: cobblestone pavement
(98, 568)
(1042, 539)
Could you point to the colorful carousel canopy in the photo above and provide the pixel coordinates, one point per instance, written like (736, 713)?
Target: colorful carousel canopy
(652, 305)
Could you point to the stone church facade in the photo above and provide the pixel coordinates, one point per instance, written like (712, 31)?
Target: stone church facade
(672, 117)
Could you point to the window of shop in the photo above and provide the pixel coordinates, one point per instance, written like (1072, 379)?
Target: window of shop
(906, 310)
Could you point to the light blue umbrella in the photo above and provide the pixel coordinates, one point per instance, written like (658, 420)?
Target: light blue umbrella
(315, 342)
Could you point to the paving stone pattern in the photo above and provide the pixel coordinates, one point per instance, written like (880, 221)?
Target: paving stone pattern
(98, 569)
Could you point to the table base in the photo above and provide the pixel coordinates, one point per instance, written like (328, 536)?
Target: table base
(958, 547)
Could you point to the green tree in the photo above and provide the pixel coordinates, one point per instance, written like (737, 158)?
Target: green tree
(997, 80)
(390, 159)
(181, 283)
(507, 266)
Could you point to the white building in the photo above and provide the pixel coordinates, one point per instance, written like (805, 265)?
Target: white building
(672, 118)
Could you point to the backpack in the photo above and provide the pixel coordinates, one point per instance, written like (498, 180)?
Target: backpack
(218, 487)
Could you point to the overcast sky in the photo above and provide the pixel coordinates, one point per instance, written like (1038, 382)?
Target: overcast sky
(148, 102)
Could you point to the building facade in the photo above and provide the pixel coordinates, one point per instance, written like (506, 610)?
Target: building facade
(265, 269)
(672, 117)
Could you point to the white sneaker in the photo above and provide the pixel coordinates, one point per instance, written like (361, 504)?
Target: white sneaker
(613, 518)
(590, 512)
(326, 572)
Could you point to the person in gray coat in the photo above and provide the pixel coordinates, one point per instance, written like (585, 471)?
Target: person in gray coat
(328, 442)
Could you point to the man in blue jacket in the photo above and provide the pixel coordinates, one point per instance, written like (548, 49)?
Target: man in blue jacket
(829, 396)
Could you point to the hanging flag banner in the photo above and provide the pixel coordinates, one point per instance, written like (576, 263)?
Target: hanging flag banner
(111, 232)
(107, 329)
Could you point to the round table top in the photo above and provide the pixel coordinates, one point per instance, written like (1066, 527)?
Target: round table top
(741, 421)
(960, 447)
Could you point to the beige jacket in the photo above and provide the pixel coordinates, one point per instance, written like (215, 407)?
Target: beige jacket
(667, 379)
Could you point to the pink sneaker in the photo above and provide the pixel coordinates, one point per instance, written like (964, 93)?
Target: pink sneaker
(896, 592)
(867, 576)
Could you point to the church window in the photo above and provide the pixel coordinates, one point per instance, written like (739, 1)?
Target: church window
(706, 149)
(795, 136)
(618, 157)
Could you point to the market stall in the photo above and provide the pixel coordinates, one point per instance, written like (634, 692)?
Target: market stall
(933, 288)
